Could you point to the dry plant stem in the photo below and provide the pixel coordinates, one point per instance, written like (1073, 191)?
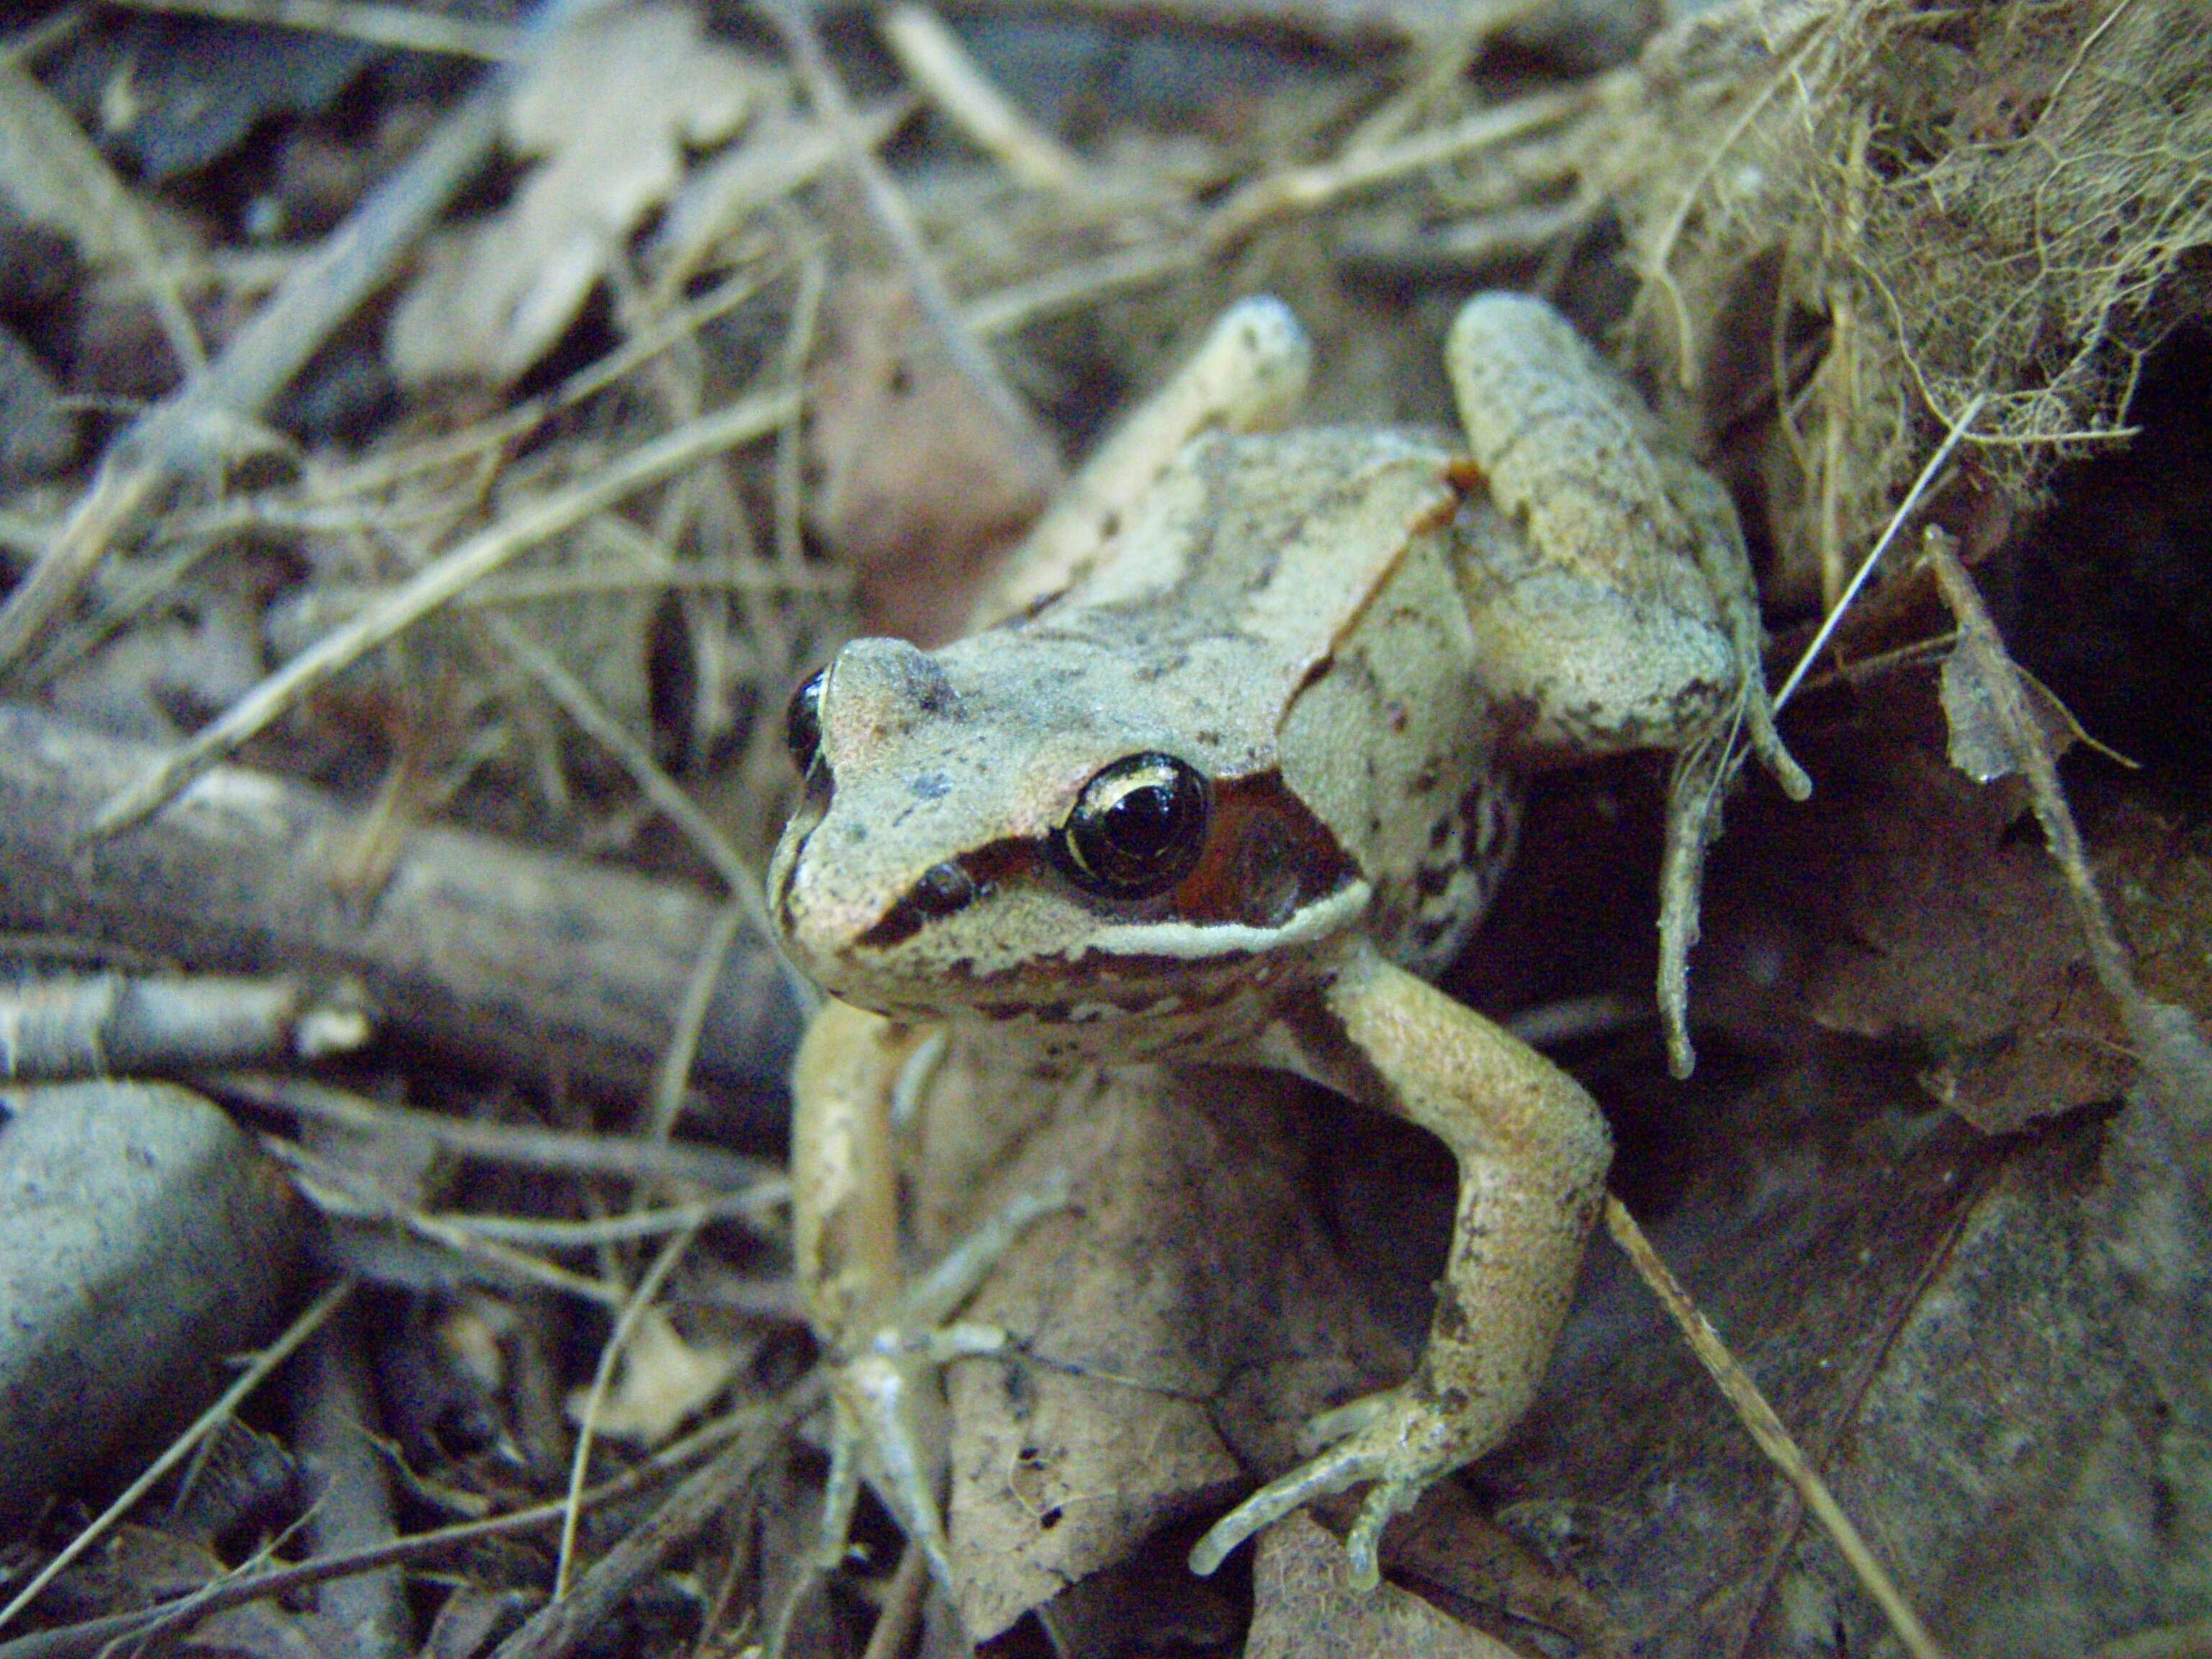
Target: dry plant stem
(99, 1636)
(473, 560)
(575, 700)
(186, 430)
(1083, 283)
(513, 1145)
(935, 60)
(103, 216)
(1756, 1415)
(603, 1231)
(183, 1446)
(1443, 64)
(405, 29)
(28, 46)
(528, 960)
(583, 1613)
(790, 482)
(2107, 954)
(674, 1071)
(1290, 193)
(353, 1508)
(1307, 189)
(888, 211)
(338, 1195)
(633, 1308)
(2167, 1043)
(900, 1615)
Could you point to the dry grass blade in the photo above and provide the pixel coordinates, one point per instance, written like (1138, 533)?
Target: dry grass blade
(1767, 1429)
(584, 1612)
(934, 58)
(99, 1636)
(407, 28)
(512, 1146)
(1834, 619)
(475, 558)
(56, 175)
(633, 1308)
(1298, 191)
(888, 207)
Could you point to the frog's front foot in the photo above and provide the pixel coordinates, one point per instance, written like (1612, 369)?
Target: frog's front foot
(1401, 1441)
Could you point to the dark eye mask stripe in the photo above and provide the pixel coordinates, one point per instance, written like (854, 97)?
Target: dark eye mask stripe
(1267, 858)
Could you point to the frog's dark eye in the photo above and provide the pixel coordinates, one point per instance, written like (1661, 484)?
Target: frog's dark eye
(802, 722)
(1137, 829)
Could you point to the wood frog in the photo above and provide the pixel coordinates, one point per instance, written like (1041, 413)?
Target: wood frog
(1219, 791)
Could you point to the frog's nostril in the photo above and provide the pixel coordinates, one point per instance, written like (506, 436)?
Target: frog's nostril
(941, 890)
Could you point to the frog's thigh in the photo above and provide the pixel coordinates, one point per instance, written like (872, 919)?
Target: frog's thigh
(1595, 599)
(1532, 1150)
(844, 1187)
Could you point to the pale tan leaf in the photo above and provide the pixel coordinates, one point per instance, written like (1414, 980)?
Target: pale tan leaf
(612, 108)
(663, 1381)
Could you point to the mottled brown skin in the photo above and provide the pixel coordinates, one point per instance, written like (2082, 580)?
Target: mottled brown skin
(1349, 634)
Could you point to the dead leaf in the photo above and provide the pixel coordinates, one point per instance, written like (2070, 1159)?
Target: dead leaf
(1943, 1321)
(1304, 1608)
(1907, 903)
(612, 106)
(921, 488)
(661, 1382)
(1182, 1322)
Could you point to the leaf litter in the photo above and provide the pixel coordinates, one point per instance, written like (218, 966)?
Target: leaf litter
(1985, 1337)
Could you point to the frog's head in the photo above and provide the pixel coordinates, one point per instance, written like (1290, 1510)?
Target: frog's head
(1049, 834)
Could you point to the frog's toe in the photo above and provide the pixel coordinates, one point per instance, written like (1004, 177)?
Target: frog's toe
(1402, 1445)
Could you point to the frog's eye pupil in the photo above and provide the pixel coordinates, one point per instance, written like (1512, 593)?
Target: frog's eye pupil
(1137, 829)
(802, 722)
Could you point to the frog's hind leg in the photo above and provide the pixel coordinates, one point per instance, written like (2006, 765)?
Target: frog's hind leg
(1609, 587)
(1533, 1152)
(1247, 375)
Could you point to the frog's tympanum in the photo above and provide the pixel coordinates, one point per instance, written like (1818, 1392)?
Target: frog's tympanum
(1224, 797)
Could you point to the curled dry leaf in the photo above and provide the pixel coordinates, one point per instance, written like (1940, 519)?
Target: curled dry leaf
(610, 108)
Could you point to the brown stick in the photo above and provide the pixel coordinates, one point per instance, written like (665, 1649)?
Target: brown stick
(509, 955)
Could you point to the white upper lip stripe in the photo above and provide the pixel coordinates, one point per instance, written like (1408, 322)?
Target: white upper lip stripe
(1185, 938)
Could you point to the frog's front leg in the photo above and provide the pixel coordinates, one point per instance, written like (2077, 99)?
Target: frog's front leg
(1608, 585)
(845, 1254)
(1533, 1152)
(885, 1338)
